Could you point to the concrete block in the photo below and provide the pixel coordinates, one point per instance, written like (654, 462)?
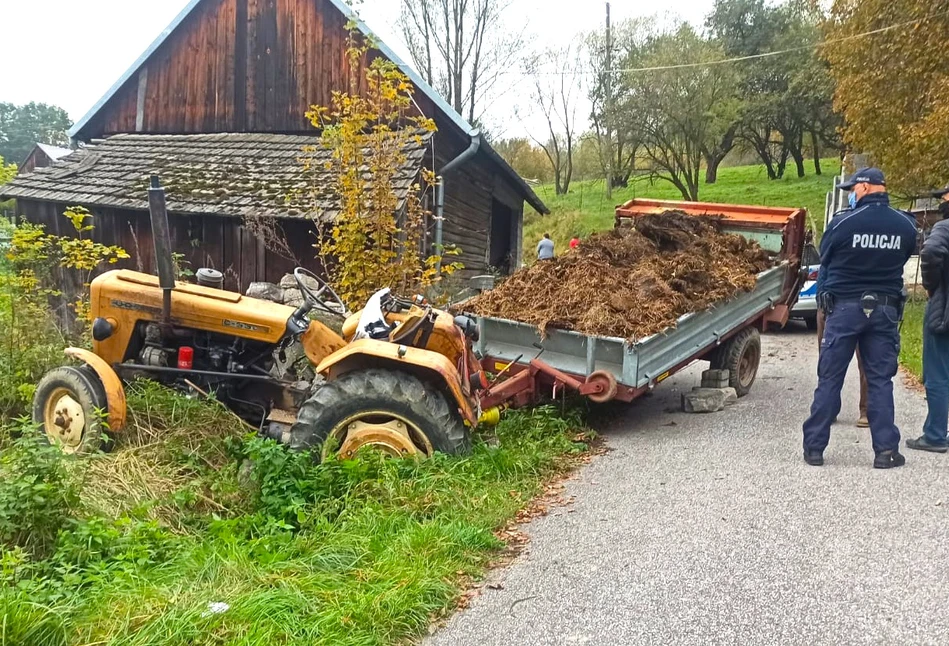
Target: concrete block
(709, 400)
(731, 397)
(715, 379)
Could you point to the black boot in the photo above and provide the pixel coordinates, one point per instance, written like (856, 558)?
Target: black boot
(888, 460)
(922, 444)
(814, 458)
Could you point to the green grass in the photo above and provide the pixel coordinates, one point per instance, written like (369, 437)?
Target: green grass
(911, 345)
(586, 209)
(366, 552)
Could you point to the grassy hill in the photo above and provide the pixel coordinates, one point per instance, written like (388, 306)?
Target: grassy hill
(586, 209)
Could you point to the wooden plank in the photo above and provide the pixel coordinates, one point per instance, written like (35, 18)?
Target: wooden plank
(241, 79)
(316, 55)
(232, 254)
(140, 100)
(212, 243)
(248, 257)
(261, 250)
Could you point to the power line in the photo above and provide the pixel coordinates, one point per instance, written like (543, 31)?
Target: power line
(737, 59)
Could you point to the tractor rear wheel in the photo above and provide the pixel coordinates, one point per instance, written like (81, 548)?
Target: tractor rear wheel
(388, 410)
(68, 404)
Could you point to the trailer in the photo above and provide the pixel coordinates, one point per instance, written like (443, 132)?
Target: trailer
(726, 335)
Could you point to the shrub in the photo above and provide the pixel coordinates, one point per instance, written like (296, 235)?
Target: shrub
(38, 492)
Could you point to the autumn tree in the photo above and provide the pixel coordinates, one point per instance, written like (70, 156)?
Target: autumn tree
(377, 238)
(7, 172)
(613, 119)
(786, 100)
(556, 89)
(526, 158)
(682, 112)
(893, 86)
(461, 47)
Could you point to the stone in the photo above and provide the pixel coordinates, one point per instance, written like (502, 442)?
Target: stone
(266, 291)
(288, 282)
(715, 379)
(292, 297)
(731, 396)
(710, 400)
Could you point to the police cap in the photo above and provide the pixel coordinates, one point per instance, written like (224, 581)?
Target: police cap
(863, 176)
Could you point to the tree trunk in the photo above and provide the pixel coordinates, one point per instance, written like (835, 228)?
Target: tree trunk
(797, 152)
(815, 145)
(782, 163)
(711, 168)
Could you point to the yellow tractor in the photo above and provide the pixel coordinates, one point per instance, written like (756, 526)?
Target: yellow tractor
(400, 378)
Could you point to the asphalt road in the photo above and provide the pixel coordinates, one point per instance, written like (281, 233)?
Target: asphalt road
(710, 529)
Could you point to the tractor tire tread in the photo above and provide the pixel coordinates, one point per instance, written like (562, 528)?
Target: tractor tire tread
(418, 400)
(85, 383)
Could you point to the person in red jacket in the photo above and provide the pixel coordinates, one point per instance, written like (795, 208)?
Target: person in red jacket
(574, 242)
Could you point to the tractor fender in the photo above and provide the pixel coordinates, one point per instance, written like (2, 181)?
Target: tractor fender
(114, 392)
(435, 367)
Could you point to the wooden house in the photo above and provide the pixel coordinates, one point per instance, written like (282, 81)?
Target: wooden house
(215, 107)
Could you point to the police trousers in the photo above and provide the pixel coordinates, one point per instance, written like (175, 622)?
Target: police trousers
(879, 339)
(936, 380)
(863, 375)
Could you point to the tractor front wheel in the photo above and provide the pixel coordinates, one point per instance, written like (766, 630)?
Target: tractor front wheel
(391, 411)
(68, 405)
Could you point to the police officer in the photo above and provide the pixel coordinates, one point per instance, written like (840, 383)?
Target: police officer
(862, 256)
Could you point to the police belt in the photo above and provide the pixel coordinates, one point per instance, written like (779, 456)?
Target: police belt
(827, 302)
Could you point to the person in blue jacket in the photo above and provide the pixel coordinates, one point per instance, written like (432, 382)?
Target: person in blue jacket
(863, 253)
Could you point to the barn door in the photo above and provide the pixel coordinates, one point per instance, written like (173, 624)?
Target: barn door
(499, 255)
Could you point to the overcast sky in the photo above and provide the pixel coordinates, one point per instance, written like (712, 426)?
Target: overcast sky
(69, 52)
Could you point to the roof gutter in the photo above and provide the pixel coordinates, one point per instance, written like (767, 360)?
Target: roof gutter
(470, 152)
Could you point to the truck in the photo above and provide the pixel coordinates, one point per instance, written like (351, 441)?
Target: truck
(601, 368)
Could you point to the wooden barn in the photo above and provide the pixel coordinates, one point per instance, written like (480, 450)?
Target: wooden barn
(215, 107)
(42, 156)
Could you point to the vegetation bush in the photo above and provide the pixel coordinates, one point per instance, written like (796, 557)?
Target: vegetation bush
(38, 492)
(258, 544)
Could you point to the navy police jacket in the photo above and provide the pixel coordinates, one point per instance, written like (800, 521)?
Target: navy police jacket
(864, 249)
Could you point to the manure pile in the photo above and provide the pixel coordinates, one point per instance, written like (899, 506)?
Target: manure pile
(632, 282)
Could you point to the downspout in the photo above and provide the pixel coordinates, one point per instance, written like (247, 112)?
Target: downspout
(440, 191)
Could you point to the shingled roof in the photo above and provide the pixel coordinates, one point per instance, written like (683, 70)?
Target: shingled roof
(237, 175)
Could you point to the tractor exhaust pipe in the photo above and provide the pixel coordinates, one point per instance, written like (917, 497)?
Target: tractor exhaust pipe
(162, 239)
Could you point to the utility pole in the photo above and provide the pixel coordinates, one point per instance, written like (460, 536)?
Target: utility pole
(609, 105)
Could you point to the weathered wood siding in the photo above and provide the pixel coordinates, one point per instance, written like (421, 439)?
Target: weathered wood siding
(204, 241)
(235, 66)
(470, 191)
(36, 159)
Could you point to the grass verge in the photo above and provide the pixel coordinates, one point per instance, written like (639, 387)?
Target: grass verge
(586, 209)
(194, 533)
(911, 334)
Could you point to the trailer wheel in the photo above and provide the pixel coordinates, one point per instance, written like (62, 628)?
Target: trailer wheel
(391, 411)
(741, 357)
(67, 405)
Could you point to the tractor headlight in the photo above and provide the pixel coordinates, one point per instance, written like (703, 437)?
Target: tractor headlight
(102, 329)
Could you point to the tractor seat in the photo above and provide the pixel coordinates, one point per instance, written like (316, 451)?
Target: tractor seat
(415, 329)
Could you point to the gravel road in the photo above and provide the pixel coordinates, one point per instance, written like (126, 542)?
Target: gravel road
(710, 529)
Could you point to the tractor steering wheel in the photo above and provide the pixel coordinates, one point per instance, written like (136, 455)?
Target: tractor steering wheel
(324, 297)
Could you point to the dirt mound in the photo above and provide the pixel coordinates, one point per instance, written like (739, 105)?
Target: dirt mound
(630, 283)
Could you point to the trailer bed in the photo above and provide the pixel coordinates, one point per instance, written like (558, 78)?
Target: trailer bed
(638, 365)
